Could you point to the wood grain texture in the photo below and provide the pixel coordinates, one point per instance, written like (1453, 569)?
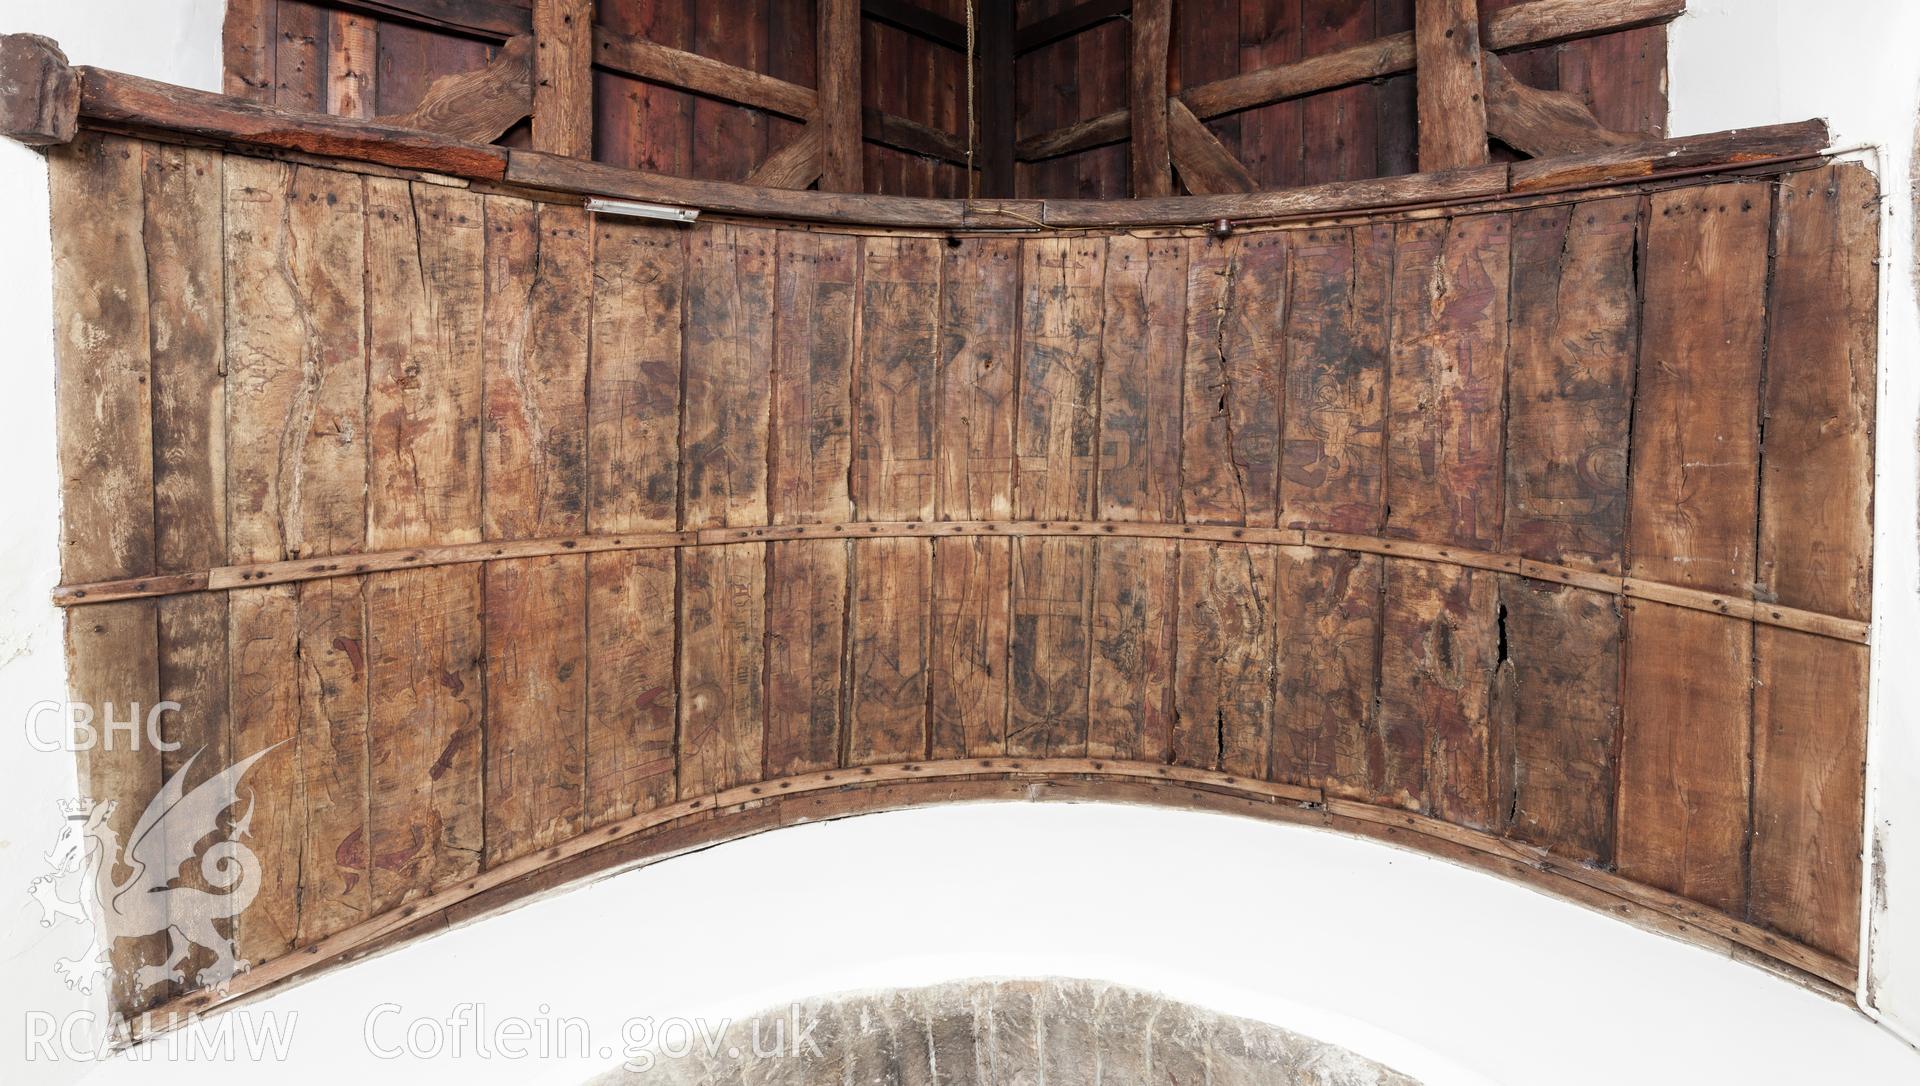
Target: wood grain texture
(975, 421)
(536, 704)
(1685, 774)
(351, 50)
(1696, 452)
(563, 77)
(944, 512)
(1685, 755)
(1327, 610)
(101, 324)
(426, 266)
(893, 477)
(1055, 435)
(1569, 390)
(1559, 685)
(425, 663)
(39, 92)
(633, 484)
(481, 104)
(1333, 460)
(814, 349)
(729, 357)
(1224, 669)
(534, 441)
(838, 117)
(1447, 379)
(1205, 164)
(1816, 497)
(186, 280)
(1151, 26)
(1439, 651)
(1453, 107)
(1234, 385)
(103, 412)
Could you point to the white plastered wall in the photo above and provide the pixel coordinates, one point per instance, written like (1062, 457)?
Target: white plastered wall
(1735, 62)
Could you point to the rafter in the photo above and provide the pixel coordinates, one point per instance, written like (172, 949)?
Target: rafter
(1537, 22)
(795, 165)
(1206, 167)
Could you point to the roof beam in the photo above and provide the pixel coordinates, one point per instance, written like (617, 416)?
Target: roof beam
(1537, 22)
(838, 116)
(563, 77)
(1452, 90)
(1148, 151)
(1077, 19)
(932, 26)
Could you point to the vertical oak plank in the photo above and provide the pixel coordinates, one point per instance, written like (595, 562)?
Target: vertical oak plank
(104, 423)
(1055, 441)
(1561, 688)
(426, 250)
(1236, 313)
(186, 283)
(814, 344)
(1136, 581)
(1224, 676)
(352, 50)
(973, 577)
(1570, 382)
(1327, 606)
(1336, 380)
(1685, 772)
(1815, 548)
(893, 479)
(1440, 649)
(729, 355)
(1447, 380)
(633, 485)
(539, 258)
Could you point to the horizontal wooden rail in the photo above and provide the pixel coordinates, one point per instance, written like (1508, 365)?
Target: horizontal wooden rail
(835, 793)
(225, 578)
(1523, 26)
(112, 100)
(1077, 19)
(681, 70)
(479, 18)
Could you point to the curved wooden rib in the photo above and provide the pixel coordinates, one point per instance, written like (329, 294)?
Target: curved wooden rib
(835, 793)
(224, 578)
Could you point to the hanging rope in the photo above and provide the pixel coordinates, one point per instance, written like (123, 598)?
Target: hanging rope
(972, 177)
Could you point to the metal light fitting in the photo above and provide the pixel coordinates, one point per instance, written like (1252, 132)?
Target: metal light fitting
(633, 210)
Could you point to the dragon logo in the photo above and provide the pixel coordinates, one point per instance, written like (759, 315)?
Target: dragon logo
(150, 898)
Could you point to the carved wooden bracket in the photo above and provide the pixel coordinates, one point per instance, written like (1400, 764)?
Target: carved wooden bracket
(480, 105)
(39, 94)
(1539, 122)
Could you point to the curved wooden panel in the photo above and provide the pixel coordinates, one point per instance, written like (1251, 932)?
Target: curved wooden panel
(526, 541)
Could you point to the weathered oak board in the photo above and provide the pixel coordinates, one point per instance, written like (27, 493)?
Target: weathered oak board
(1406, 516)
